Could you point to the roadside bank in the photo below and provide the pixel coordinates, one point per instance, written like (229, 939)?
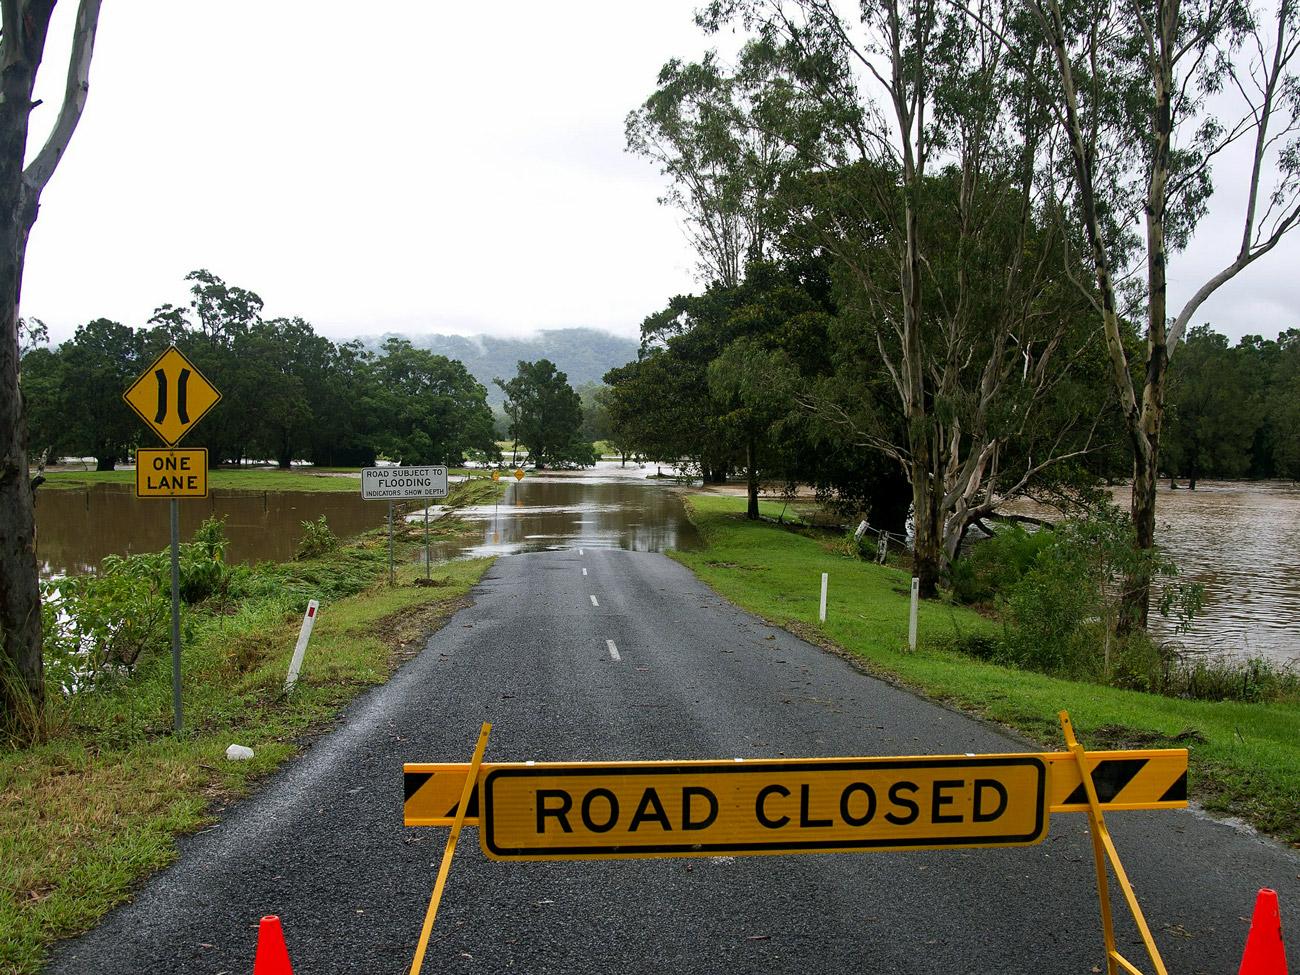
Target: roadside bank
(1245, 757)
(95, 808)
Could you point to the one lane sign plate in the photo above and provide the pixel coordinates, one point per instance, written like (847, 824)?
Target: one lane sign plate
(553, 811)
(403, 483)
(171, 473)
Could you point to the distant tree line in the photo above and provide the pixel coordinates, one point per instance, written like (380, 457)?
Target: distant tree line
(1234, 410)
(288, 394)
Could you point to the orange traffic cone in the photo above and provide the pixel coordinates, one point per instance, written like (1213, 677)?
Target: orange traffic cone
(272, 954)
(1264, 953)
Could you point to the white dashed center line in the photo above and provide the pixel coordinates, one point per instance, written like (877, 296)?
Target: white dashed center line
(613, 650)
(593, 601)
(580, 552)
(584, 570)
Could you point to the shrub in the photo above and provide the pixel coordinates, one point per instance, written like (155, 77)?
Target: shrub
(1065, 609)
(317, 539)
(996, 563)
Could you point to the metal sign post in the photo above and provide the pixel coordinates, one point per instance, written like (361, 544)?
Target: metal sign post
(426, 543)
(171, 396)
(392, 573)
(176, 616)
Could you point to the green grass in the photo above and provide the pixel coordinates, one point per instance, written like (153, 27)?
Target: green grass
(1245, 758)
(87, 814)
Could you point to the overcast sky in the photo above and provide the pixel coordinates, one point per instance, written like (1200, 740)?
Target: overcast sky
(406, 166)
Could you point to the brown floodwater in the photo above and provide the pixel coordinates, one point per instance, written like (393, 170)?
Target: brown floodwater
(75, 529)
(608, 507)
(1240, 540)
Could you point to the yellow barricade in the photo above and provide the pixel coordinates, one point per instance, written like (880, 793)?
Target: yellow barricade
(618, 810)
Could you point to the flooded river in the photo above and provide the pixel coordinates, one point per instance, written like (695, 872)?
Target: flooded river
(1237, 538)
(1241, 540)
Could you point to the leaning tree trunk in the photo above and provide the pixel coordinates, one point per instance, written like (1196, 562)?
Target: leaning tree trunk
(22, 45)
(22, 684)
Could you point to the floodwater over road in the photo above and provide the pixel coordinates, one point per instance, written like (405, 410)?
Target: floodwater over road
(610, 506)
(1239, 539)
(607, 507)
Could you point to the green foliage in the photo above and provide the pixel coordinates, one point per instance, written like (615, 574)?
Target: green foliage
(546, 415)
(96, 624)
(1059, 593)
(288, 394)
(997, 563)
(317, 539)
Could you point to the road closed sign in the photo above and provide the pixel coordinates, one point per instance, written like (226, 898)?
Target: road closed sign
(654, 809)
(403, 483)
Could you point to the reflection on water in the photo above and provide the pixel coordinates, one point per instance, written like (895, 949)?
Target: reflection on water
(75, 529)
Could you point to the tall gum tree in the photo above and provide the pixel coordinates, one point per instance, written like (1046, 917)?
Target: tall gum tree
(1133, 85)
(920, 177)
(25, 24)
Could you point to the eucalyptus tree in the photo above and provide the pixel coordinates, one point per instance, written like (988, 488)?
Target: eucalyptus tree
(919, 154)
(707, 132)
(24, 27)
(1147, 96)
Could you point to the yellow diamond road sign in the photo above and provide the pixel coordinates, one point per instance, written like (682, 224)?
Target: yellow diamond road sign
(171, 396)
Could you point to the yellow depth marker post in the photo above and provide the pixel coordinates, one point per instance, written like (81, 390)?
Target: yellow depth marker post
(471, 782)
(1103, 848)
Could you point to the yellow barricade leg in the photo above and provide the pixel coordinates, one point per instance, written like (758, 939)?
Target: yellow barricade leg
(1103, 848)
(471, 782)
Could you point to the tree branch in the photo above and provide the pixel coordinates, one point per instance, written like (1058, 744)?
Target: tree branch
(41, 168)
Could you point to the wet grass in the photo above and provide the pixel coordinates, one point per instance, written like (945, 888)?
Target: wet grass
(1245, 757)
(86, 815)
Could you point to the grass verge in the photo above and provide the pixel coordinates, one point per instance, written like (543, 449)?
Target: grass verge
(1245, 758)
(95, 808)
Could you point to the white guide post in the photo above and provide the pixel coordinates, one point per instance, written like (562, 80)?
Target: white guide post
(911, 621)
(825, 576)
(295, 665)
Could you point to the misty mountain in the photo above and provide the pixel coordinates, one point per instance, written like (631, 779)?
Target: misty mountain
(584, 354)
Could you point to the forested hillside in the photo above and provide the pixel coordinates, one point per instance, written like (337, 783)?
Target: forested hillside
(583, 354)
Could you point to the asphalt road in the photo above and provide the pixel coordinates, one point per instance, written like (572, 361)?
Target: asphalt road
(323, 845)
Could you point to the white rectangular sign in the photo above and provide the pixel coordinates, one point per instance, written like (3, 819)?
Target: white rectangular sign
(399, 483)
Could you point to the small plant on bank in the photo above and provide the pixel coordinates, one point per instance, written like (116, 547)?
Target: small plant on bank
(1058, 592)
(317, 539)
